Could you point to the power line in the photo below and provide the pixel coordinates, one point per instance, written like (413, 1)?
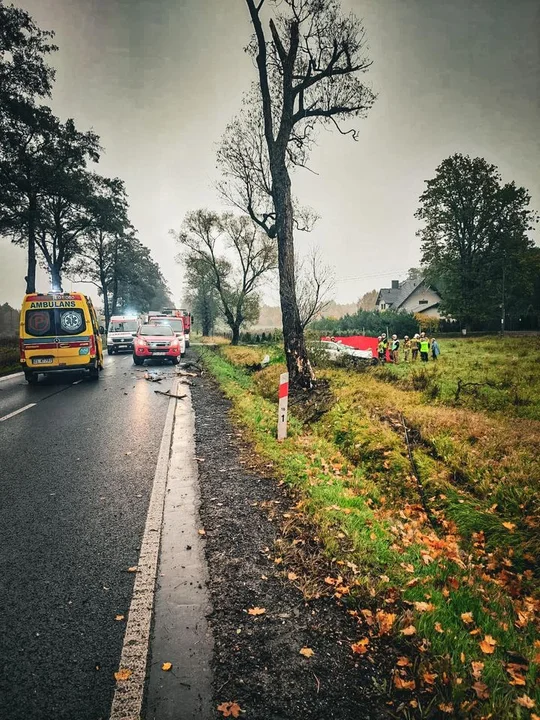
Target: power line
(394, 273)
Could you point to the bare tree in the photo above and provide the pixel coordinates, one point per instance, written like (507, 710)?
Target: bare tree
(315, 283)
(308, 69)
(236, 276)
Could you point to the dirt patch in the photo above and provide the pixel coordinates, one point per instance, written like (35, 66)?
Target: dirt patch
(257, 659)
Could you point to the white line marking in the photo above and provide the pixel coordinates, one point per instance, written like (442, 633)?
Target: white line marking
(11, 375)
(77, 382)
(128, 695)
(20, 410)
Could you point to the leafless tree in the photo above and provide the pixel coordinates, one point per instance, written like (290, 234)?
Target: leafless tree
(235, 254)
(308, 64)
(314, 285)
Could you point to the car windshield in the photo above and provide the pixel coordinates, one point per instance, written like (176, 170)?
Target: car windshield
(123, 326)
(177, 325)
(156, 330)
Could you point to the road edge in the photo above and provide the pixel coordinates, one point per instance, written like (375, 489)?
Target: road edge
(129, 692)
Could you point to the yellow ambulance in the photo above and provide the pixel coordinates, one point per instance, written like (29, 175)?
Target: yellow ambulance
(59, 331)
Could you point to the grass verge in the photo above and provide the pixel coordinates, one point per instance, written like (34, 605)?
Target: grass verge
(462, 594)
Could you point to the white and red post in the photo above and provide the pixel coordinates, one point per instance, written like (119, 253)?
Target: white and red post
(282, 406)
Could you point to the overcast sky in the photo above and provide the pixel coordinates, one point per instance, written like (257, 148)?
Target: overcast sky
(159, 79)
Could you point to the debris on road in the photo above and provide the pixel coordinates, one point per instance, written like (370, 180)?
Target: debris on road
(168, 393)
(154, 377)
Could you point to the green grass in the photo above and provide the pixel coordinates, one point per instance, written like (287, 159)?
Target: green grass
(508, 370)
(354, 474)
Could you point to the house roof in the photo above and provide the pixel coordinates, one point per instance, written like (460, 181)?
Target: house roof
(395, 297)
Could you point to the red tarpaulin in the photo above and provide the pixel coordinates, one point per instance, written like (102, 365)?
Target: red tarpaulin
(360, 342)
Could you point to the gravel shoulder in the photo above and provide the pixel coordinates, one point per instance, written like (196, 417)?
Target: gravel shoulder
(257, 660)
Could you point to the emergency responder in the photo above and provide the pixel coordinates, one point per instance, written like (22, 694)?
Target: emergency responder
(415, 346)
(424, 348)
(394, 349)
(406, 348)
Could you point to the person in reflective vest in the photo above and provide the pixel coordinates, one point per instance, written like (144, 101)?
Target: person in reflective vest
(394, 349)
(424, 349)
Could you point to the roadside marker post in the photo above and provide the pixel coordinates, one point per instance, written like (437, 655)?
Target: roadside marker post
(282, 406)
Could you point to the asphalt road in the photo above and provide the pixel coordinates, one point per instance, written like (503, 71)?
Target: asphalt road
(76, 472)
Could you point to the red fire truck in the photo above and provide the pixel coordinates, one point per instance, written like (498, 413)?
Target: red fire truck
(186, 318)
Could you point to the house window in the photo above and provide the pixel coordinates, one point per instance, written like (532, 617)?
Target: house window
(423, 302)
(383, 306)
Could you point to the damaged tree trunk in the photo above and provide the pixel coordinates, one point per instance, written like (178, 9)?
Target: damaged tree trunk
(298, 365)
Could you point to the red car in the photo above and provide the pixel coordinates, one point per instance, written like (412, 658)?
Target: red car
(156, 341)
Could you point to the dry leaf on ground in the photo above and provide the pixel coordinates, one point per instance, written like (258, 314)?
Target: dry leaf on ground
(122, 674)
(134, 568)
(119, 617)
(385, 620)
(467, 617)
(526, 702)
(481, 690)
(446, 708)
(256, 611)
(360, 647)
(230, 709)
(409, 630)
(166, 666)
(307, 652)
(487, 645)
(424, 606)
(477, 668)
(292, 576)
(402, 684)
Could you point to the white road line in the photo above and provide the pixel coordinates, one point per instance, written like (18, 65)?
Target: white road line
(77, 382)
(11, 375)
(128, 695)
(16, 412)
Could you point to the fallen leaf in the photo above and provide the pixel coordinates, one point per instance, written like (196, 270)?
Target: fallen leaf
(462, 657)
(438, 627)
(477, 668)
(429, 678)
(481, 690)
(402, 684)
(256, 611)
(403, 661)
(119, 617)
(292, 576)
(509, 526)
(122, 674)
(385, 620)
(360, 647)
(487, 645)
(515, 671)
(307, 652)
(424, 606)
(467, 618)
(166, 666)
(446, 708)
(134, 568)
(409, 630)
(230, 709)
(526, 702)
(202, 531)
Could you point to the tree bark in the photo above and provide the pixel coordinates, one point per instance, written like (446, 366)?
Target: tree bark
(31, 271)
(298, 365)
(56, 277)
(235, 335)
